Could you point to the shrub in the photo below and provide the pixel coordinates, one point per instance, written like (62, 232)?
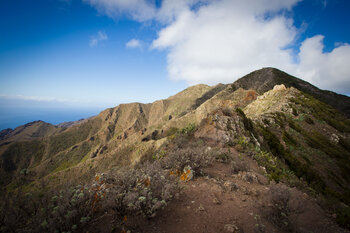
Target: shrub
(238, 165)
(309, 120)
(268, 161)
(343, 217)
(242, 143)
(138, 191)
(279, 211)
(141, 191)
(195, 157)
(189, 129)
(222, 157)
(55, 212)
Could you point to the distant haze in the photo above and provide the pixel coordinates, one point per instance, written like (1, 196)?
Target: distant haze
(17, 117)
(14, 113)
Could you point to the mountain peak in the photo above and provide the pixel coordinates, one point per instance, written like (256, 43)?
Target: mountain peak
(265, 79)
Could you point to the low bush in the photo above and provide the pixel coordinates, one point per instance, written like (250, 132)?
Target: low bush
(238, 165)
(279, 211)
(141, 191)
(70, 209)
(189, 129)
(309, 120)
(242, 143)
(195, 157)
(130, 192)
(343, 217)
(222, 157)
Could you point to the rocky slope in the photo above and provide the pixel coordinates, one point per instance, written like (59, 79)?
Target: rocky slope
(266, 78)
(249, 135)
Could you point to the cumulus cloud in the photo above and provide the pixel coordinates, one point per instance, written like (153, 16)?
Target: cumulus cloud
(325, 70)
(224, 40)
(133, 43)
(211, 41)
(95, 40)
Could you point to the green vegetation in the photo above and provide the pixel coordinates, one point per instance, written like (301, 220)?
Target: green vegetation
(248, 124)
(303, 147)
(73, 136)
(323, 112)
(275, 169)
(318, 141)
(288, 139)
(300, 169)
(71, 158)
(189, 129)
(19, 154)
(343, 217)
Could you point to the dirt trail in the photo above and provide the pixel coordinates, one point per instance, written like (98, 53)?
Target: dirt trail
(222, 201)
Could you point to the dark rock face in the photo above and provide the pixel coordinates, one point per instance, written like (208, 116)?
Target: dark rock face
(94, 154)
(154, 135)
(98, 151)
(265, 79)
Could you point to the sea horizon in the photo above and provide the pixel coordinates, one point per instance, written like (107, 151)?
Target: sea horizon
(14, 117)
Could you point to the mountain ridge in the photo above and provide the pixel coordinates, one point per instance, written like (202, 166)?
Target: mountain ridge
(286, 135)
(266, 78)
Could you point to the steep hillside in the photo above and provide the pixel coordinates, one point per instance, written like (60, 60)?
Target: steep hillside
(115, 131)
(310, 136)
(32, 130)
(266, 78)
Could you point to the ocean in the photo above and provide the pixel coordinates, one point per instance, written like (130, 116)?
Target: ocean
(13, 117)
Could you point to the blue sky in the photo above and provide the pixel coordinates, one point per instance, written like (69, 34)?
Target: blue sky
(94, 54)
(45, 52)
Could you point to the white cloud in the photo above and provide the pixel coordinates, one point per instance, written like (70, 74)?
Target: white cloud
(95, 40)
(33, 98)
(137, 9)
(225, 40)
(325, 70)
(133, 43)
(211, 41)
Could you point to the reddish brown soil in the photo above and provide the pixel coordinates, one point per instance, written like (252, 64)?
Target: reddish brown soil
(208, 205)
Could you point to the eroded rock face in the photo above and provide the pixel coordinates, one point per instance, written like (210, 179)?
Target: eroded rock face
(277, 99)
(221, 126)
(281, 87)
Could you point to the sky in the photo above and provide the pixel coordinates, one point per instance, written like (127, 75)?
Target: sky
(83, 56)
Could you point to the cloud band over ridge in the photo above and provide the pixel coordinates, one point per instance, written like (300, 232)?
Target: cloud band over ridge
(211, 41)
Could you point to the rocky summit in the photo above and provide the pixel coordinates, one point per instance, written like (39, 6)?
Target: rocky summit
(267, 153)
